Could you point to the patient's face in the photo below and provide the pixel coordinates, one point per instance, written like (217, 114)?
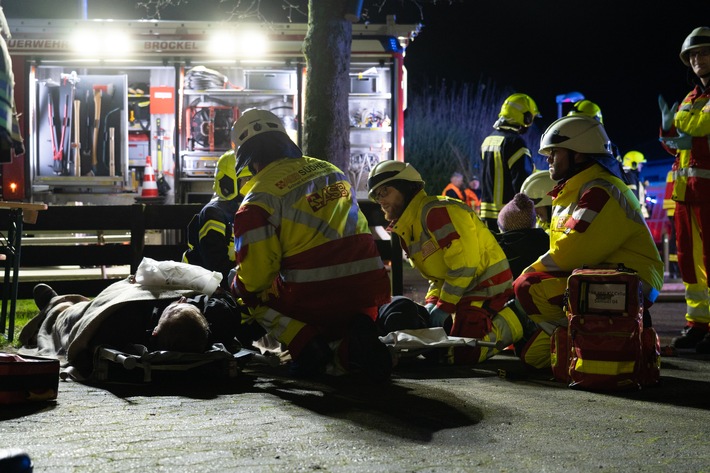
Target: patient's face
(181, 327)
(177, 308)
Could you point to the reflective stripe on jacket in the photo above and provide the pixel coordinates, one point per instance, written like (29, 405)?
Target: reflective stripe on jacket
(303, 246)
(507, 162)
(597, 220)
(210, 239)
(450, 246)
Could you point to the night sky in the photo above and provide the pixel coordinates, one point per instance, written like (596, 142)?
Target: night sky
(620, 54)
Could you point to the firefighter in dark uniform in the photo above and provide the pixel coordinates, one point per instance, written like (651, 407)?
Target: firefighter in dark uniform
(507, 161)
(210, 237)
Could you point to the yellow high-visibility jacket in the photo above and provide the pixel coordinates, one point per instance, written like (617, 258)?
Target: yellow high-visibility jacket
(691, 168)
(303, 246)
(596, 220)
(452, 248)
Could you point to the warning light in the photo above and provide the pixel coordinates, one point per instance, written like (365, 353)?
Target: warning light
(13, 187)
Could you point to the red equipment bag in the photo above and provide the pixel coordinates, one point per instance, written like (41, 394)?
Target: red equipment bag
(27, 378)
(606, 347)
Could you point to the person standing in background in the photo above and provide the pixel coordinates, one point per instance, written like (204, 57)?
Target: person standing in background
(507, 161)
(454, 188)
(685, 131)
(472, 192)
(633, 165)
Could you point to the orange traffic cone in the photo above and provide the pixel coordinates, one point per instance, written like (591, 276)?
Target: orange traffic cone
(150, 187)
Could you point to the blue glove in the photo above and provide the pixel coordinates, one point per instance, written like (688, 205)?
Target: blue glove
(438, 317)
(682, 141)
(230, 277)
(667, 114)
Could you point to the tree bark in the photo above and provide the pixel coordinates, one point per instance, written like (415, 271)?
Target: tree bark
(326, 124)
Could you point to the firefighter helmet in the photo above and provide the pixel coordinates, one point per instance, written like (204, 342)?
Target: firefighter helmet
(386, 171)
(632, 159)
(225, 176)
(254, 122)
(698, 38)
(588, 108)
(578, 133)
(536, 186)
(519, 109)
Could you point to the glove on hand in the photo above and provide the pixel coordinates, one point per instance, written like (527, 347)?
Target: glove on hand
(682, 141)
(437, 317)
(666, 113)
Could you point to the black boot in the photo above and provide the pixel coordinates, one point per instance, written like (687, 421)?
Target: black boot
(362, 352)
(703, 347)
(42, 294)
(690, 337)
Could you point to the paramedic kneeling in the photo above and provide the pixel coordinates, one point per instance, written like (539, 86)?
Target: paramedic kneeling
(307, 263)
(596, 220)
(470, 292)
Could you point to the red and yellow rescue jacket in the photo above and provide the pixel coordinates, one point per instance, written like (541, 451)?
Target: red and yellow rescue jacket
(691, 168)
(303, 246)
(452, 248)
(597, 220)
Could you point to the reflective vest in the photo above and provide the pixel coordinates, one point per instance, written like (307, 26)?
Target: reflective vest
(472, 199)
(303, 246)
(455, 190)
(452, 248)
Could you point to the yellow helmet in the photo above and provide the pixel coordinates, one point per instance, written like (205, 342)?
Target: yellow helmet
(698, 38)
(536, 186)
(519, 109)
(390, 170)
(632, 159)
(226, 181)
(588, 108)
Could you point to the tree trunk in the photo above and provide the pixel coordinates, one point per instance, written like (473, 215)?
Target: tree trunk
(326, 125)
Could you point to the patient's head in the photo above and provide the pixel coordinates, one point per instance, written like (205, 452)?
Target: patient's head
(182, 327)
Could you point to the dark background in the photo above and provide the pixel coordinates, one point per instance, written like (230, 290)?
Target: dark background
(620, 54)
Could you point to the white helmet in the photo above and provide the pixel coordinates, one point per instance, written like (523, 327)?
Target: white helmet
(698, 38)
(536, 186)
(389, 170)
(578, 133)
(254, 122)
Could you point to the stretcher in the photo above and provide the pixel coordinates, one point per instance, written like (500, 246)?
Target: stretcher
(135, 363)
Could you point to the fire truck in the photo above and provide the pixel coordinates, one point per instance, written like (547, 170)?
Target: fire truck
(100, 101)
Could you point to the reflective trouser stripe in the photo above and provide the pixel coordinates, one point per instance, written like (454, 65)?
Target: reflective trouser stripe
(281, 326)
(691, 259)
(537, 352)
(697, 305)
(505, 327)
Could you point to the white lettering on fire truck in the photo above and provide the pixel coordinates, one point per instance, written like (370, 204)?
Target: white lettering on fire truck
(43, 44)
(160, 46)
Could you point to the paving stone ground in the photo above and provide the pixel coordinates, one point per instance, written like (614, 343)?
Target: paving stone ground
(494, 417)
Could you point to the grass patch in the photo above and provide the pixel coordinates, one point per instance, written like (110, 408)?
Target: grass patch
(24, 311)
